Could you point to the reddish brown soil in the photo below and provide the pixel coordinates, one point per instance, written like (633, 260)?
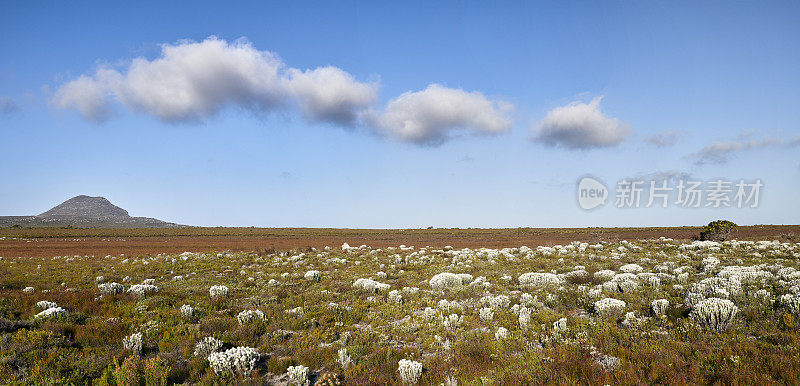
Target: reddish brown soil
(59, 242)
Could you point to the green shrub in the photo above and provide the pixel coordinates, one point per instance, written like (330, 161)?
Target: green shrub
(107, 378)
(130, 372)
(156, 370)
(717, 230)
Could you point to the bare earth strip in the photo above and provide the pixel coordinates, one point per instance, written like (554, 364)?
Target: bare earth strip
(48, 242)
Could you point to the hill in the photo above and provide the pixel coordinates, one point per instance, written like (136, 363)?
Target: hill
(85, 212)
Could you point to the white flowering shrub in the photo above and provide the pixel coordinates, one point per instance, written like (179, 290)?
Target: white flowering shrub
(451, 322)
(295, 311)
(445, 280)
(763, 297)
(446, 305)
(524, 318)
(187, 312)
(631, 268)
(298, 375)
(312, 275)
(486, 314)
(609, 307)
(206, 346)
(410, 290)
(51, 313)
(496, 302)
(237, 360)
(248, 316)
(501, 333)
(370, 285)
(343, 358)
(712, 287)
(607, 363)
(141, 290)
(630, 320)
(715, 313)
(540, 279)
(604, 275)
(395, 297)
(576, 276)
(526, 299)
(112, 288)
(28, 290)
(410, 371)
(44, 304)
(133, 342)
(659, 306)
(791, 302)
(710, 263)
(218, 291)
(623, 282)
(467, 278)
(429, 313)
(560, 325)
(692, 298)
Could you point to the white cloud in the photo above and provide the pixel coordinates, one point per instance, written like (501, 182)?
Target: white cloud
(330, 94)
(191, 81)
(580, 126)
(437, 113)
(89, 95)
(720, 152)
(663, 139)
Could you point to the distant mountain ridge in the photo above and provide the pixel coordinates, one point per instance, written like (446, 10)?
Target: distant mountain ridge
(86, 211)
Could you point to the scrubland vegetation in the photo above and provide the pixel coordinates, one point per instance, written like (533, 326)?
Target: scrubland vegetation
(639, 311)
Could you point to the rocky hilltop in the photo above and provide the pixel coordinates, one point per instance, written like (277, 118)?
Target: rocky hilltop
(86, 211)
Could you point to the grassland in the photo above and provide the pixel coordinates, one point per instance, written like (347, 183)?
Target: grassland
(52, 241)
(490, 322)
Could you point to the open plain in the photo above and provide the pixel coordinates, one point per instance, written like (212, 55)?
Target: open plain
(52, 241)
(435, 306)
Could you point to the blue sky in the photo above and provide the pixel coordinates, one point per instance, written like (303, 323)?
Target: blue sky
(593, 86)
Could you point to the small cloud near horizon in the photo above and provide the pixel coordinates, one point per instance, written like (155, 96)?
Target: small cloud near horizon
(665, 138)
(720, 152)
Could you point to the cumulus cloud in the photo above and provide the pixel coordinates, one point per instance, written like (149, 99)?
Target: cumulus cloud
(89, 95)
(330, 94)
(720, 152)
(8, 105)
(663, 139)
(191, 81)
(580, 126)
(438, 113)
